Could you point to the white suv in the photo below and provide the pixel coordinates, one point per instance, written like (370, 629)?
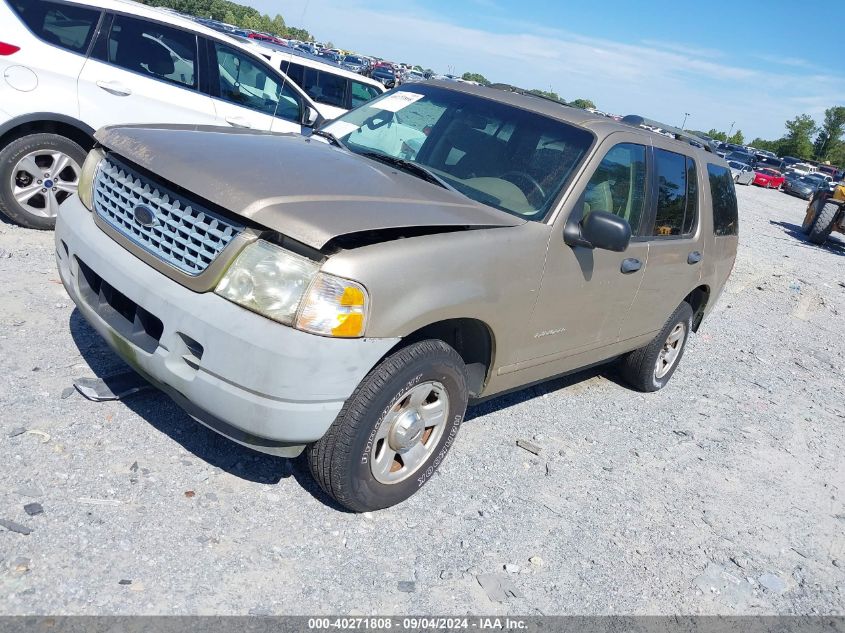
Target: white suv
(70, 68)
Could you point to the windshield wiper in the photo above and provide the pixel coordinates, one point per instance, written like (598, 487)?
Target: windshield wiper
(409, 166)
(331, 137)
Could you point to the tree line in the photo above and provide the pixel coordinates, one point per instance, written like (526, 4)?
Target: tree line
(549, 94)
(236, 15)
(804, 138)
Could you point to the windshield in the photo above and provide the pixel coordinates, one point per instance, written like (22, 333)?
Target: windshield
(736, 165)
(353, 60)
(496, 154)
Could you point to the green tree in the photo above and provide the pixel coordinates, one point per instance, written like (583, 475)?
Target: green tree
(830, 134)
(797, 141)
(737, 138)
(719, 136)
(547, 94)
(278, 26)
(583, 104)
(477, 77)
(229, 17)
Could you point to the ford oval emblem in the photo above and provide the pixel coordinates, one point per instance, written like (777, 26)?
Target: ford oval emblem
(144, 216)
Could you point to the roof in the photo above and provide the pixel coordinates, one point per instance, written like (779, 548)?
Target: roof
(558, 110)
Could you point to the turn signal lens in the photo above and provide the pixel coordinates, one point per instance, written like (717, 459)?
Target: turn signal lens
(334, 307)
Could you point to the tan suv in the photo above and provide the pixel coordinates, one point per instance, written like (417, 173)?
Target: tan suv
(349, 293)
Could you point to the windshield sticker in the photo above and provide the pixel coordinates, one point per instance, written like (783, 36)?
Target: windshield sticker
(341, 128)
(397, 101)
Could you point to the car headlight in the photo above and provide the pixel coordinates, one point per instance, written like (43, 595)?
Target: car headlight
(85, 187)
(268, 279)
(288, 288)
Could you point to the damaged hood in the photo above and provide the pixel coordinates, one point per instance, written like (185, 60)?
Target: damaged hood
(301, 187)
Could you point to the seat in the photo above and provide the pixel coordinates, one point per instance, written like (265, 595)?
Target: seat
(143, 54)
(598, 197)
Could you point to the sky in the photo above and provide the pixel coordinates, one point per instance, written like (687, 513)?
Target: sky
(750, 63)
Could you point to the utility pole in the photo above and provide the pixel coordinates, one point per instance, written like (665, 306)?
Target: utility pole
(731, 130)
(684, 124)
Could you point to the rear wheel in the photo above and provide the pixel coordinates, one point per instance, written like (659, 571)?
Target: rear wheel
(395, 429)
(823, 223)
(650, 368)
(37, 173)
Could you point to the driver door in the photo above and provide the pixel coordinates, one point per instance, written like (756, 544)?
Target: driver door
(248, 94)
(586, 293)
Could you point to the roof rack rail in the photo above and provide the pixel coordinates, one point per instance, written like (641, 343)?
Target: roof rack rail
(681, 135)
(523, 91)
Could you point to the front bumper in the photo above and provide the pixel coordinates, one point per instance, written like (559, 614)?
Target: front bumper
(260, 383)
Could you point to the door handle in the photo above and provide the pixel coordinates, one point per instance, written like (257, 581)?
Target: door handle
(693, 258)
(631, 265)
(115, 88)
(238, 121)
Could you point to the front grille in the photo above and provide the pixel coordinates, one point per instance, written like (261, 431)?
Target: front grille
(178, 231)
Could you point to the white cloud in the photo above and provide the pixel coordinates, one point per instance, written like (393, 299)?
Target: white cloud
(661, 80)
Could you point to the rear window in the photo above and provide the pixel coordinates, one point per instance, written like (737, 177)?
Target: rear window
(68, 26)
(725, 215)
(677, 194)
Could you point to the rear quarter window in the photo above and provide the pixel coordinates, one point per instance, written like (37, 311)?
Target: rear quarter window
(677, 195)
(67, 26)
(725, 213)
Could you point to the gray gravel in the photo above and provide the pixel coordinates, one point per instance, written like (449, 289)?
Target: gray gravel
(720, 494)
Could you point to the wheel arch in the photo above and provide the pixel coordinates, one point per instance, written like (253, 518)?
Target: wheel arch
(47, 122)
(698, 300)
(472, 338)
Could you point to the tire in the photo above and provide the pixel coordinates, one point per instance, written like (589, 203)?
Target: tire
(809, 218)
(24, 162)
(349, 461)
(640, 367)
(823, 223)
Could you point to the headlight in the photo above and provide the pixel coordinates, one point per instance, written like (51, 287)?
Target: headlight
(85, 187)
(269, 280)
(288, 288)
(334, 307)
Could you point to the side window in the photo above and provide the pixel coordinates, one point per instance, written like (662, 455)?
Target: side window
(245, 82)
(618, 185)
(153, 49)
(677, 194)
(691, 217)
(65, 25)
(725, 216)
(294, 71)
(361, 93)
(325, 87)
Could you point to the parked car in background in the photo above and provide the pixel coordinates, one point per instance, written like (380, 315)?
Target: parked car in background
(385, 75)
(741, 157)
(801, 186)
(333, 89)
(803, 169)
(445, 244)
(354, 63)
(767, 161)
(742, 173)
(790, 160)
(411, 76)
(71, 68)
(768, 178)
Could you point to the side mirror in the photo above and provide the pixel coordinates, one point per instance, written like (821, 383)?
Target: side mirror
(599, 229)
(311, 118)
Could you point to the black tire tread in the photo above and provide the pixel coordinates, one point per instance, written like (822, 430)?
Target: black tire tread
(28, 143)
(638, 366)
(823, 224)
(327, 470)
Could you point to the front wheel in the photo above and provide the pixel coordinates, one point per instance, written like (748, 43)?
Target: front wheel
(37, 173)
(650, 368)
(395, 429)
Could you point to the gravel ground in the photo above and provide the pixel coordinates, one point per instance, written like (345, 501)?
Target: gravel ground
(720, 494)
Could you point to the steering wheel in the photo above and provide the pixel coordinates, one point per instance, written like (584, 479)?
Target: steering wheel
(527, 178)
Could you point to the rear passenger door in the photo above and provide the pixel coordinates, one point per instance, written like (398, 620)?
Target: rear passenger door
(248, 93)
(64, 33)
(676, 245)
(142, 71)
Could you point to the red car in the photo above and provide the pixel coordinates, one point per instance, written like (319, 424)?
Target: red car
(768, 178)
